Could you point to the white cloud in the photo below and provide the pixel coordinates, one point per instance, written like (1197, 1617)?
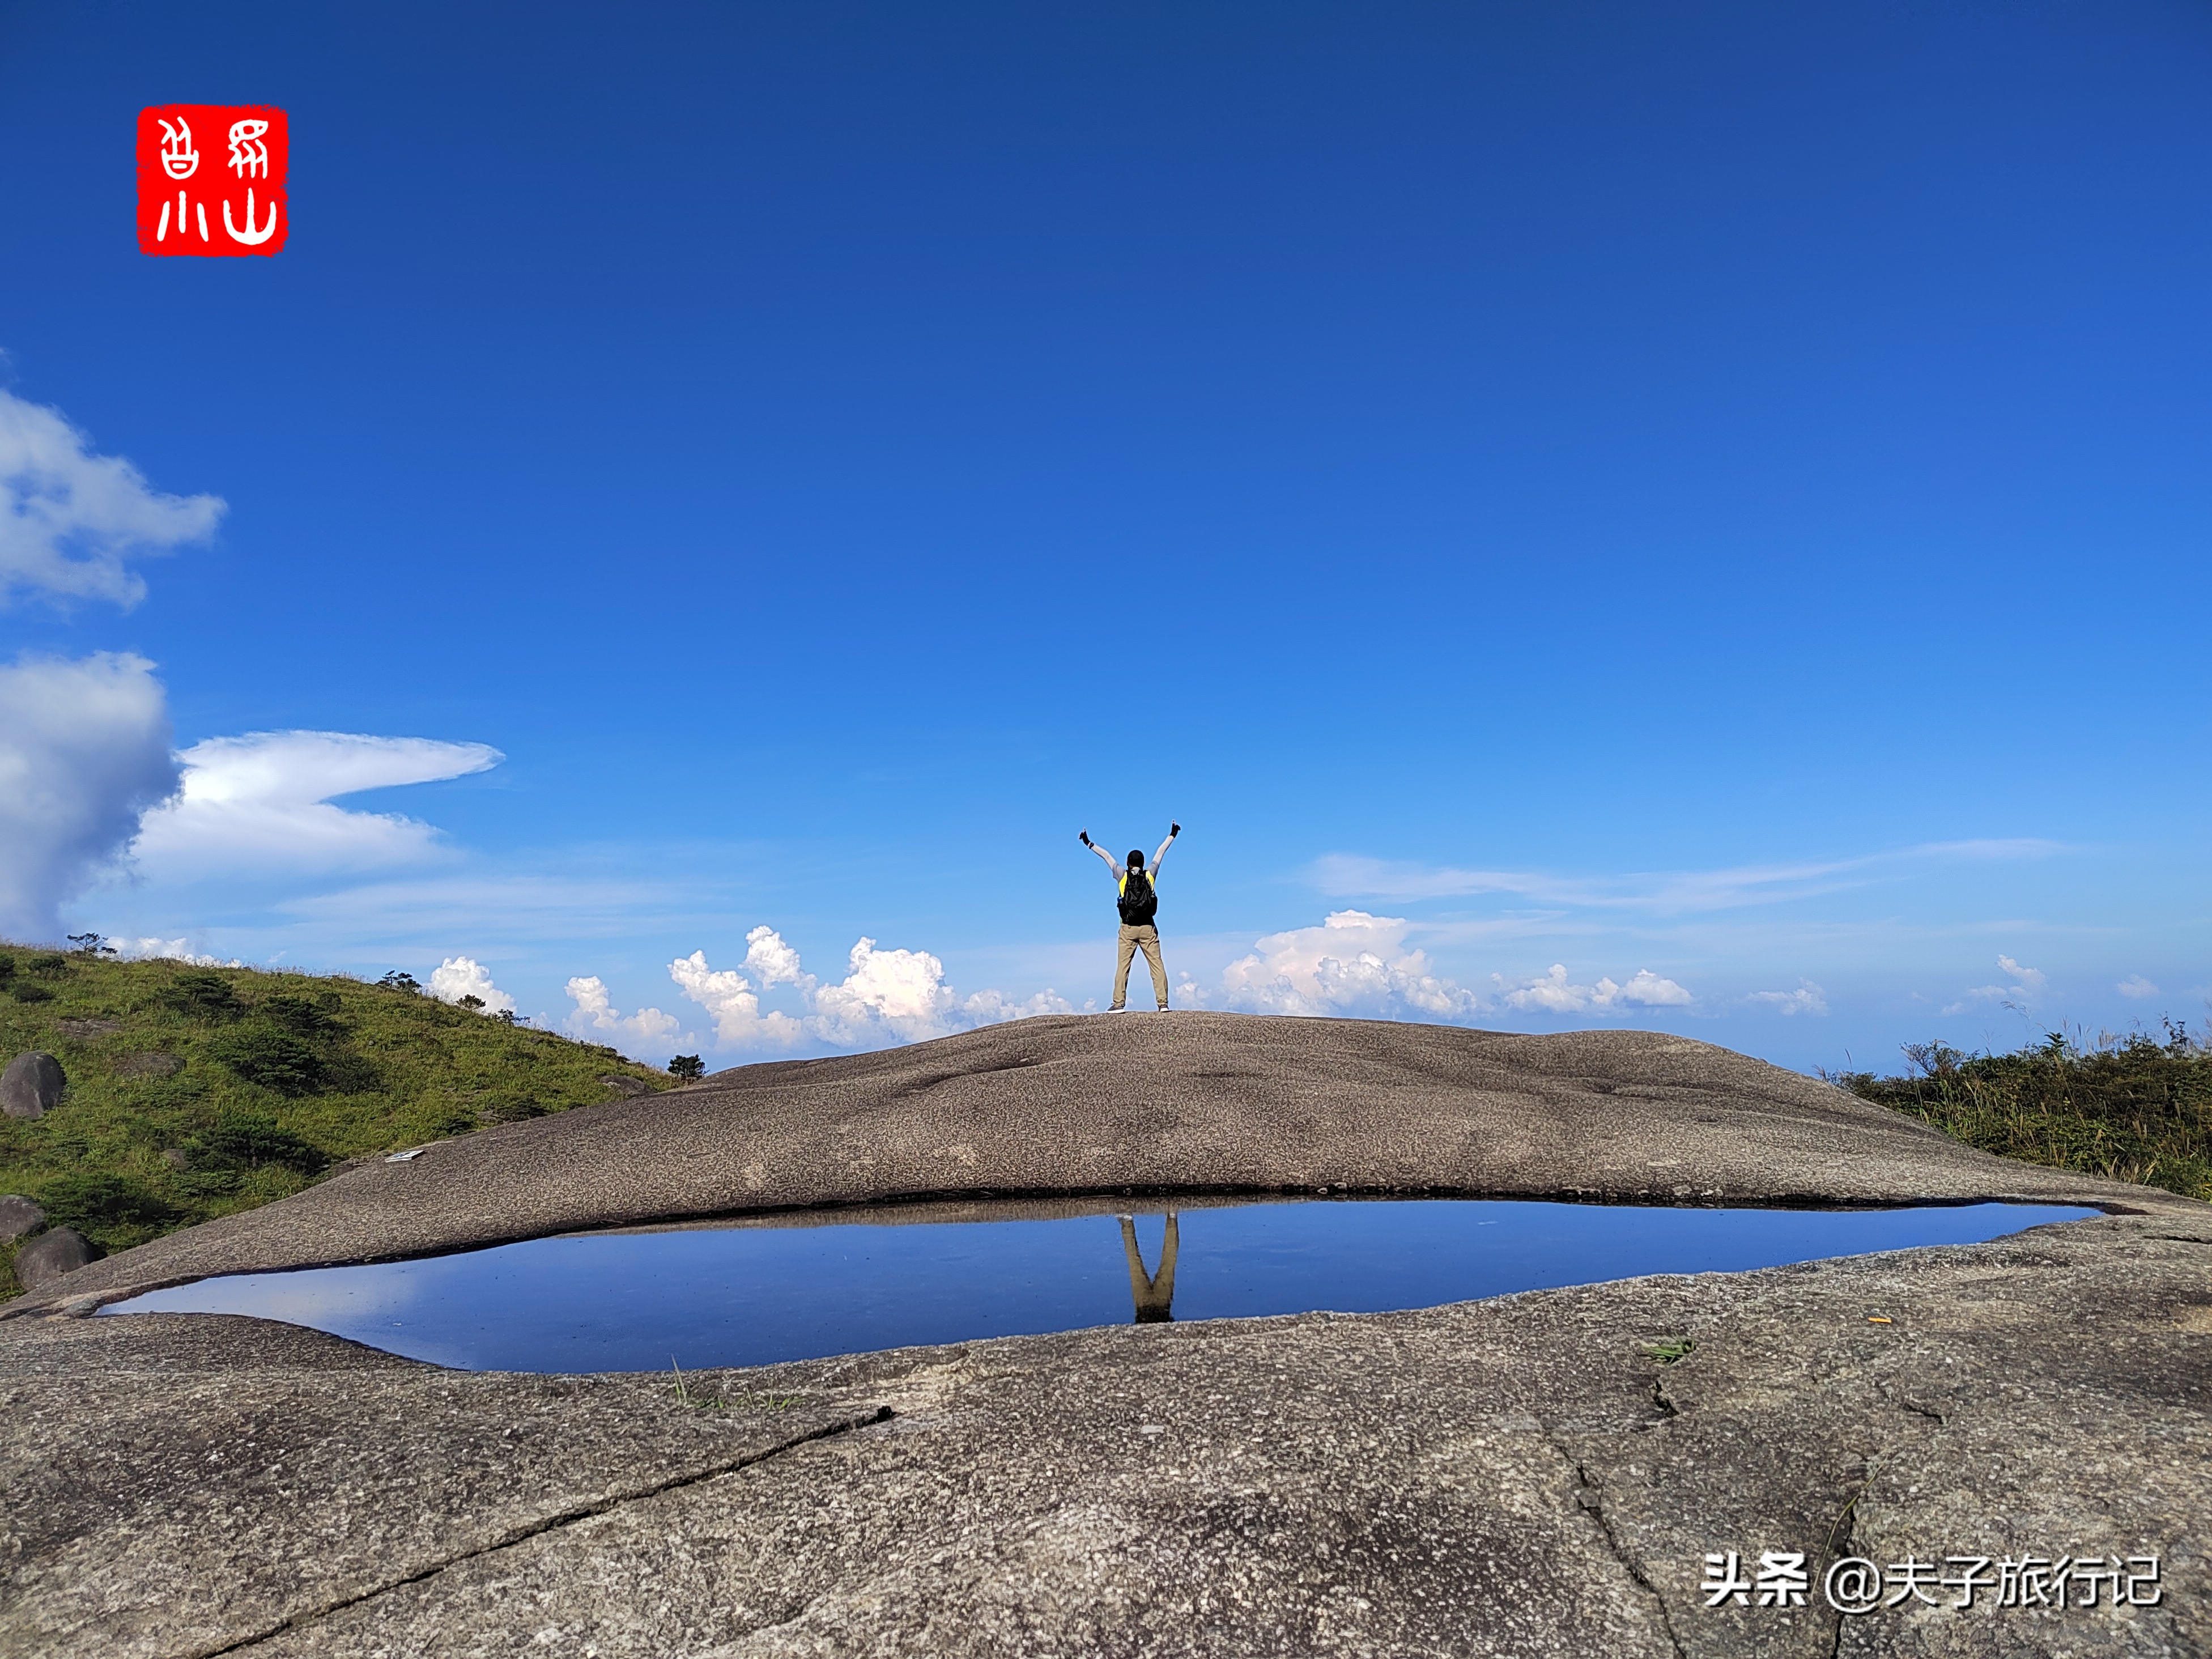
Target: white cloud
(727, 996)
(996, 1007)
(902, 991)
(171, 949)
(595, 1015)
(1807, 999)
(2026, 980)
(1555, 994)
(464, 976)
(885, 997)
(1352, 964)
(2135, 985)
(70, 519)
(84, 749)
(773, 962)
(258, 803)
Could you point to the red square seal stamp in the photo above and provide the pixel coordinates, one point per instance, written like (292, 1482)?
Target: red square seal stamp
(211, 178)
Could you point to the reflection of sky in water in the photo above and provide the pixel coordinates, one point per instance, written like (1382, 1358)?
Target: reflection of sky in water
(740, 1296)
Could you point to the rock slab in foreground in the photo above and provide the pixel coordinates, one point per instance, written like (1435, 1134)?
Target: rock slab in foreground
(32, 1086)
(1516, 1477)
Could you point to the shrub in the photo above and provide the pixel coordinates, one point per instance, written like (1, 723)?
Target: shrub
(28, 990)
(396, 980)
(248, 1140)
(52, 965)
(2133, 1110)
(204, 996)
(687, 1066)
(101, 1204)
(303, 1017)
(270, 1056)
(7, 967)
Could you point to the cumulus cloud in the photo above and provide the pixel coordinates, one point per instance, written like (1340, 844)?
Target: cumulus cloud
(84, 750)
(996, 1007)
(885, 997)
(730, 1000)
(71, 521)
(464, 976)
(1353, 963)
(1554, 993)
(2135, 985)
(260, 802)
(773, 962)
(901, 991)
(169, 949)
(1807, 999)
(595, 1015)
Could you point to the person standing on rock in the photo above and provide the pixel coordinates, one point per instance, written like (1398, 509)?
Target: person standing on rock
(1136, 891)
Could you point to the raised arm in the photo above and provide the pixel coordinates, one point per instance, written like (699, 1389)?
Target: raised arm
(1174, 830)
(1113, 864)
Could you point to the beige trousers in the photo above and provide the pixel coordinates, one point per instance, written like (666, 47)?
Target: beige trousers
(1153, 1293)
(1134, 939)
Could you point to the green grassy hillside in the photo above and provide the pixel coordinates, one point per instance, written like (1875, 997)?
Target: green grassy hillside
(194, 1091)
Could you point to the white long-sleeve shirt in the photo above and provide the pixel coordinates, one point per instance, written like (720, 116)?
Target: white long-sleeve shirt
(1120, 872)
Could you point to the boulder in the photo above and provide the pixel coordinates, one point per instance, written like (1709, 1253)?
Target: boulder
(51, 1255)
(18, 1216)
(32, 1086)
(626, 1085)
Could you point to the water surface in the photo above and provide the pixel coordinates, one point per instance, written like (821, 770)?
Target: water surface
(750, 1294)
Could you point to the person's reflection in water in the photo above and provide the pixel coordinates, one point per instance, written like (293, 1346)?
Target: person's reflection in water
(1153, 1293)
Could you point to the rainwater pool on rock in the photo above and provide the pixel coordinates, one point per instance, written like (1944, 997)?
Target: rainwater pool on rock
(753, 1292)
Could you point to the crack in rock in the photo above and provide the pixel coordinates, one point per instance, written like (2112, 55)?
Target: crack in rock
(523, 1535)
(1590, 1502)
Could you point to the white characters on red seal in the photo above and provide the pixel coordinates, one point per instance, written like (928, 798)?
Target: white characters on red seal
(249, 155)
(244, 213)
(178, 159)
(163, 233)
(249, 159)
(250, 236)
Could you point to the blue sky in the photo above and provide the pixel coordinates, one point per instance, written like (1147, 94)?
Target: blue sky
(1716, 494)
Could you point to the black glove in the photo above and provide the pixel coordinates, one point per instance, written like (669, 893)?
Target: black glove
(1174, 829)
(1084, 836)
